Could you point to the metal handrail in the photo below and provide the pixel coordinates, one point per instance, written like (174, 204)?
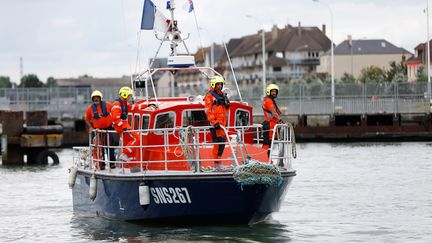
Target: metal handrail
(168, 146)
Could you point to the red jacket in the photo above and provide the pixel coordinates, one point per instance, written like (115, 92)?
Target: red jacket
(271, 110)
(216, 113)
(119, 113)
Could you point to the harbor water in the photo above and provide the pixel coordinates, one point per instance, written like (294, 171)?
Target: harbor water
(355, 192)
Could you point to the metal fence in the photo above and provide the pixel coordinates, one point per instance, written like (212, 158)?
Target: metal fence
(294, 98)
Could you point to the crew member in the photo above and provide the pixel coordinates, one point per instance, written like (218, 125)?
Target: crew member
(98, 117)
(216, 107)
(119, 113)
(272, 115)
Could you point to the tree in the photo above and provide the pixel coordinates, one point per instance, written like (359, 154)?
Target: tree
(347, 79)
(397, 72)
(30, 81)
(51, 82)
(5, 82)
(372, 74)
(420, 75)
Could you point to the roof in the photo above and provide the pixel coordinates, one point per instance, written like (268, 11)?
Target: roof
(364, 47)
(288, 39)
(218, 52)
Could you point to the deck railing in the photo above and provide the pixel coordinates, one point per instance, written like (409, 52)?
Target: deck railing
(186, 144)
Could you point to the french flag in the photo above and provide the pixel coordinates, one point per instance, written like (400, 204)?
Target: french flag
(153, 19)
(191, 7)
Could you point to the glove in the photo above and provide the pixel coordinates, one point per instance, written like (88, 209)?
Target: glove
(227, 103)
(217, 126)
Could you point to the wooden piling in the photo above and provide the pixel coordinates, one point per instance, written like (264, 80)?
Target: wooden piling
(36, 118)
(12, 127)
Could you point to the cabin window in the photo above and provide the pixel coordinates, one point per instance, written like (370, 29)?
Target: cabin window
(129, 119)
(195, 118)
(145, 122)
(165, 120)
(136, 122)
(242, 118)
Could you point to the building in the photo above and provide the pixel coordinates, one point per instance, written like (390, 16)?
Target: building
(417, 61)
(290, 52)
(351, 56)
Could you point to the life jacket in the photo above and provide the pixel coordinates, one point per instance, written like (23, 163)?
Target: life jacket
(104, 110)
(124, 109)
(220, 100)
(268, 112)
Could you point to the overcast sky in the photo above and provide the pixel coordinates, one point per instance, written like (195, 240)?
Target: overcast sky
(68, 38)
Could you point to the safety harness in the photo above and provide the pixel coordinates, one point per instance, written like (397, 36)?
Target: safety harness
(220, 100)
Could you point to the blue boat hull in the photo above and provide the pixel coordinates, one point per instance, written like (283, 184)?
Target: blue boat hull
(186, 199)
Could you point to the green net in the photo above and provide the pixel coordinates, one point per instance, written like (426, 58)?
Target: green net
(256, 172)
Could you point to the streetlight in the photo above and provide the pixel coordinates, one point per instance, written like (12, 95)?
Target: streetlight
(428, 54)
(263, 53)
(295, 51)
(332, 52)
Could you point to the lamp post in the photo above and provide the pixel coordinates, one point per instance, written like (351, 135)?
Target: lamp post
(263, 53)
(332, 52)
(428, 55)
(295, 51)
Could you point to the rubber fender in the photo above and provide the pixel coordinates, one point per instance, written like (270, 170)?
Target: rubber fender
(43, 156)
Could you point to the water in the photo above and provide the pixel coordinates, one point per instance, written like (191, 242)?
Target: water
(380, 192)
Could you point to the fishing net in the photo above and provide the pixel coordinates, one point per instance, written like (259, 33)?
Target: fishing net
(256, 172)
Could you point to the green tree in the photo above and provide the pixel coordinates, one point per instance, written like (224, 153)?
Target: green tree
(51, 82)
(372, 74)
(5, 82)
(30, 81)
(397, 72)
(421, 76)
(347, 79)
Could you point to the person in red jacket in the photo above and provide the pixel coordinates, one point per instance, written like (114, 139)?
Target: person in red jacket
(216, 108)
(272, 115)
(98, 117)
(119, 113)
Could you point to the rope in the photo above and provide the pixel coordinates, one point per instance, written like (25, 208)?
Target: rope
(186, 136)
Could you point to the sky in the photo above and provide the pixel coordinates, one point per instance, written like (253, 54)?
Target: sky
(101, 38)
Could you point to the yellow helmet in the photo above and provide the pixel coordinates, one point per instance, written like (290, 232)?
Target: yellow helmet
(270, 87)
(96, 93)
(125, 91)
(215, 80)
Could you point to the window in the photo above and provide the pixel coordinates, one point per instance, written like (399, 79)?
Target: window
(242, 118)
(279, 54)
(195, 118)
(277, 69)
(136, 122)
(129, 119)
(165, 120)
(145, 122)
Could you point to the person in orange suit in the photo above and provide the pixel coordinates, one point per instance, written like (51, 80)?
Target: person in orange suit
(272, 115)
(216, 109)
(119, 114)
(98, 117)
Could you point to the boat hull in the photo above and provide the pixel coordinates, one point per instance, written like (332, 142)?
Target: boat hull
(186, 199)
